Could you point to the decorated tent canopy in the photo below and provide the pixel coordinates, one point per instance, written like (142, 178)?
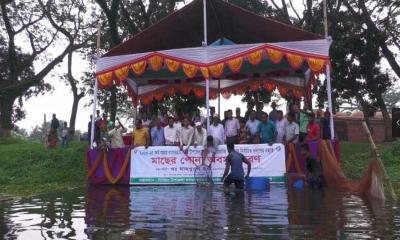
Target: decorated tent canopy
(152, 74)
(184, 29)
(282, 56)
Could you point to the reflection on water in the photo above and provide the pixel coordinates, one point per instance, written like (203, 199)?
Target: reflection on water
(187, 212)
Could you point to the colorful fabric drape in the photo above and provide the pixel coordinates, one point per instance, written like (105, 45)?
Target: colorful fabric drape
(190, 70)
(172, 65)
(217, 70)
(295, 61)
(122, 73)
(269, 86)
(156, 63)
(283, 91)
(139, 67)
(316, 65)
(274, 55)
(205, 72)
(255, 57)
(235, 64)
(105, 79)
(199, 93)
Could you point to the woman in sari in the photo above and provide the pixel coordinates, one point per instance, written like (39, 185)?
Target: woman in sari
(53, 138)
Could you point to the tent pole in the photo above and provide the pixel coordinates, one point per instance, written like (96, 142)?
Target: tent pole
(208, 102)
(219, 97)
(207, 79)
(329, 94)
(136, 107)
(96, 88)
(205, 22)
(94, 113)
(328, 74)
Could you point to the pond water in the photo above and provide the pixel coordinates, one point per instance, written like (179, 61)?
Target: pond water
(187, 212)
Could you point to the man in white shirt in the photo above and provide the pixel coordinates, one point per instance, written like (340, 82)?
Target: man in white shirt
(197, 117)
(145, 121)
(292, 130)
(171, 133)
(116, 135)
(232, 128)
(210, 151)
(177, 123)
(252, 126)
(186, 135)
(280, 124)
(217, 131)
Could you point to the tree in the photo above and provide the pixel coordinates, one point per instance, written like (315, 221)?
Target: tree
(25, 20)
(384, 27)
(357, 57)
(362, 32)
(124, 19)
(392, 98)
(68, 17)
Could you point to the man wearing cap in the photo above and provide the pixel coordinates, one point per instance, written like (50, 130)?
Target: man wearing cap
(200, 135)
(200, 139)
(217, 131)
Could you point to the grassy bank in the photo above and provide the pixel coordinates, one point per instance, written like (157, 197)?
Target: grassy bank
(27, 168)
(356, 156)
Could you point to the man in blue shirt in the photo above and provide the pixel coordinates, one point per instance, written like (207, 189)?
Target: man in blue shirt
(266, 130)
(234, 162)
(157, 134)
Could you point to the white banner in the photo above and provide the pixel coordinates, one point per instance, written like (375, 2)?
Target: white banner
(169, 165)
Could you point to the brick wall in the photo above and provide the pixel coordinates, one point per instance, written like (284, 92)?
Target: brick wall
(350, 129)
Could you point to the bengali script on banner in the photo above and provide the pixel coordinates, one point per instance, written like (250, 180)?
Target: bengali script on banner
(169, 165)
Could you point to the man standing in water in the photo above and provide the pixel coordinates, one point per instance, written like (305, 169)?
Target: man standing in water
(234, 162)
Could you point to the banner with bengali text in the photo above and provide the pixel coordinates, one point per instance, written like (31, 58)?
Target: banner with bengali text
(169, 165)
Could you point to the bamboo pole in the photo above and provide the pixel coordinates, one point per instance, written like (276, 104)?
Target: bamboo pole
(378, 157)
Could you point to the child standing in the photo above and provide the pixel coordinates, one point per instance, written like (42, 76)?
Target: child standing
(65, 136)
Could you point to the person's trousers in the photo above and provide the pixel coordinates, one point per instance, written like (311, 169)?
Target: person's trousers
(65, 142)
(302, 136)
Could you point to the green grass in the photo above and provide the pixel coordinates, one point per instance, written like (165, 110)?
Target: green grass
(356, 157)
(28, 168)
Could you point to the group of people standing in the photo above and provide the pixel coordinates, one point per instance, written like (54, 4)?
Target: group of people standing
(52, 138)
(106, 133)
(256, 126)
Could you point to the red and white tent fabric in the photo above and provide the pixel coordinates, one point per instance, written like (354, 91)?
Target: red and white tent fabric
(289, 66)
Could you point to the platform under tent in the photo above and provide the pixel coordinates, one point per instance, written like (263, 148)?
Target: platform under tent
(174, 57)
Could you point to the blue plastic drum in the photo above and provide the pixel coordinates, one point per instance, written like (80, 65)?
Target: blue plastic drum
(257, 183)
(298, 184)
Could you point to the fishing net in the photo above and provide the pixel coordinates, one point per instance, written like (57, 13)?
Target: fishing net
(203, 175)
(370, 184)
